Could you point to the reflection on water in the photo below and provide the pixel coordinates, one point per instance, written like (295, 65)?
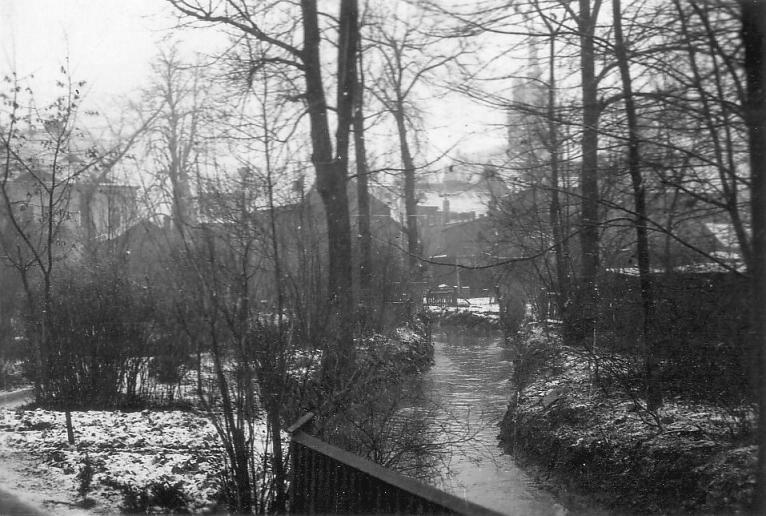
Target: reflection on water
(469, 382)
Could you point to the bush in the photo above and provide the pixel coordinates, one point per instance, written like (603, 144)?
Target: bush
(96, 328)
(169, 368)
(375, 417)
(159, 496)
(700, 326)
(533, 349)
(85, 477)
(11, 374)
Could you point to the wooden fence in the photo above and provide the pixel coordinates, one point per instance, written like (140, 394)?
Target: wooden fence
(442, 297)
(448, 296)
(328, 480)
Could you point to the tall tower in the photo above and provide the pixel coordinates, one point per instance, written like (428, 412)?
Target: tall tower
(526, 116)
(528, 97)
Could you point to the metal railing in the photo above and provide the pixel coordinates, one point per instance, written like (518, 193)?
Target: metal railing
(328, 480)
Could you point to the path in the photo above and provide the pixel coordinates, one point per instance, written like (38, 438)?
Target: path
(13, 399)
(9, 503)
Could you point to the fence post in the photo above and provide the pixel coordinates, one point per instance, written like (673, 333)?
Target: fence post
(298, 477)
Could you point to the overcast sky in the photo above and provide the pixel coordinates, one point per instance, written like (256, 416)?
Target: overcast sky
(111, 43)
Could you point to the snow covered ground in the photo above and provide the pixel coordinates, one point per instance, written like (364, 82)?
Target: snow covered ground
(136, 458)
(149, 452)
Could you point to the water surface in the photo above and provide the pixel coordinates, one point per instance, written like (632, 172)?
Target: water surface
(469, 384)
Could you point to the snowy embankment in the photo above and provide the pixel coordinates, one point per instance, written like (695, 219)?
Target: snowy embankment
(685, 457)
(476, 312)
(139, 458)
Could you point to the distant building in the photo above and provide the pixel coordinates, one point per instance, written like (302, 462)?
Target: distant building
(454, 209)
(84, 210)
(454, 222)
(301, 235)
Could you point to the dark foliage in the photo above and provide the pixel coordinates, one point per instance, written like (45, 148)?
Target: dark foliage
(701, 325)
(99, 333)
(85, 477)
(157, 497)
(375, 416)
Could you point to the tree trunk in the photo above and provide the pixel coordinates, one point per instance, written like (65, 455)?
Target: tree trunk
(242, 471)
(362, 187)
(277, 462)
(68, 423)
(589, 223)
(274, 404)
(331, 169)
(754, 39)
(653, 385)
(410, 201)
(233, 436)
(560, 248)
(722, 146)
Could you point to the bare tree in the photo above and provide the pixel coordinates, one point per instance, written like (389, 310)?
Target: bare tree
(408, 57)
(754, 40)
(176, 104)
(331, 165)
(362, 182)
(213, 253)
(707, 97)
(654, 391)
(45, 158)
(586, 19)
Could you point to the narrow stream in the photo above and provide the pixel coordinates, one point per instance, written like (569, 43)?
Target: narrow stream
(469, 383)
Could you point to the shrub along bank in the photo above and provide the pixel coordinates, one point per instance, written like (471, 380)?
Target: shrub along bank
(593, 437)
(465, 319)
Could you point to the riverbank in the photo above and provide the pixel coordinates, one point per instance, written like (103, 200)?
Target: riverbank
(686, 458)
